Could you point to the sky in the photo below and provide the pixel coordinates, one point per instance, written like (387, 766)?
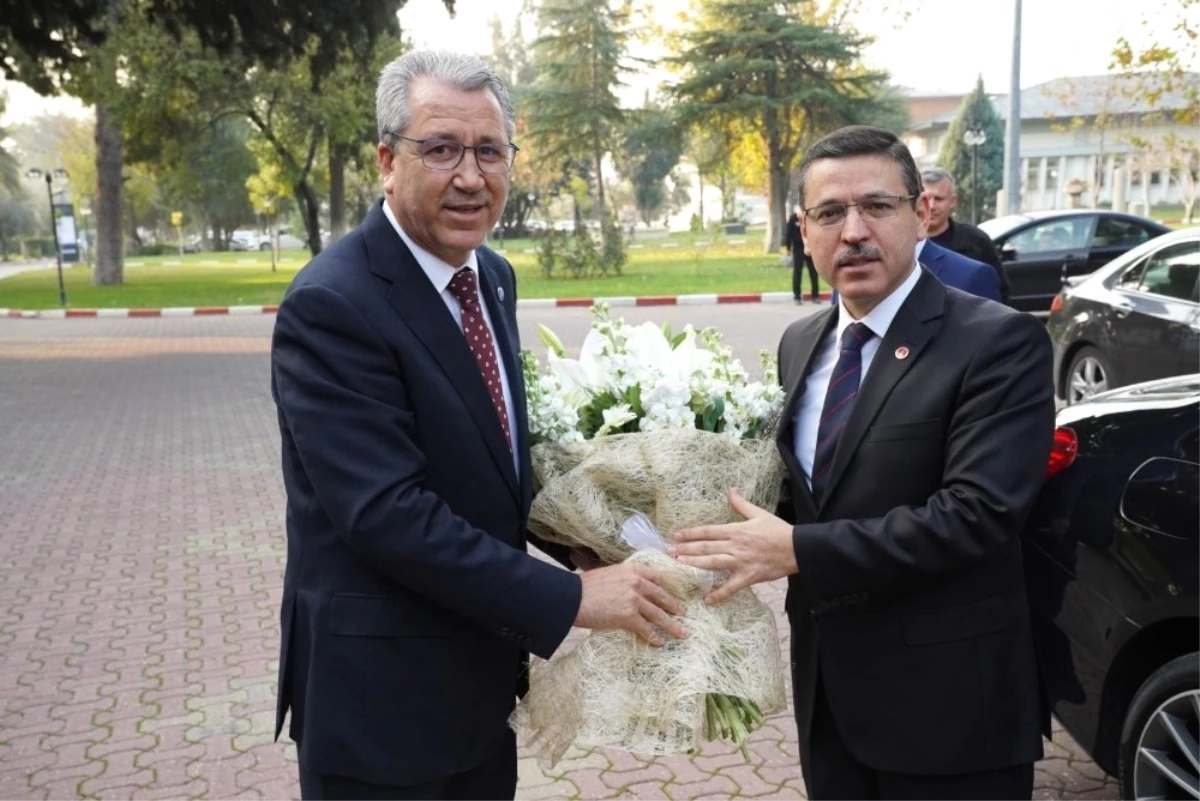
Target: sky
(941, 46)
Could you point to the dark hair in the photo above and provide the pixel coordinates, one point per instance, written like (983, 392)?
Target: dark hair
(864, 140)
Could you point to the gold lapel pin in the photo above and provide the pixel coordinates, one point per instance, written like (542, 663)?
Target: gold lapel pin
(901, 352)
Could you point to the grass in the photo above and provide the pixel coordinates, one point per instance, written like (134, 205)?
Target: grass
(681, 264)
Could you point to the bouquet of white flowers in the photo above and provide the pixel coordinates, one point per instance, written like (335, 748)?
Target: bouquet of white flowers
(640, 437)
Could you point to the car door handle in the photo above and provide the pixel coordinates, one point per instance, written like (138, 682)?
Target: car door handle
(1122, 307)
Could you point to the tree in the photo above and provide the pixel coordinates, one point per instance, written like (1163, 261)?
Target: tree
(975, 113)
(10, 170)
(785, 71)
(44, 42)
(709, 147)
(652, 147)
(17, 218)
(67, 45)
(579, 59)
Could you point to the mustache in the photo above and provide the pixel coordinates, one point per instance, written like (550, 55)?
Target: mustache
(482, 199)
(856, 252)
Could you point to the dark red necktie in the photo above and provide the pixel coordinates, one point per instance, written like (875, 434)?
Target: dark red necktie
(465, 287)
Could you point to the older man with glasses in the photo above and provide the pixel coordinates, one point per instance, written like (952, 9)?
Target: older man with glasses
(410, 604)
(916, 429)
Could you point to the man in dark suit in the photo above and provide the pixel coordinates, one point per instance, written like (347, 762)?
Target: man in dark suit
(409, 601)
(916, 430)
(958, 271)
(800, 261)
(962, 238)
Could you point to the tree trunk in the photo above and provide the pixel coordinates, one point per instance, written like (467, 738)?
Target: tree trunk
(307, 199)
(337, 191)
(599, 158)
(700, 183)
(777, 189)
(110, 265)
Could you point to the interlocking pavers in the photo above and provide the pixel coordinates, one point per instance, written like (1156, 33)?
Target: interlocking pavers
(141, 556)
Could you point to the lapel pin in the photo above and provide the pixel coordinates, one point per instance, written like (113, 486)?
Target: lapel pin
(901, 352)
(500, 293)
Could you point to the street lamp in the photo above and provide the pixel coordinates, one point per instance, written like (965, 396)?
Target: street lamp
(50, 175)
(973, 138)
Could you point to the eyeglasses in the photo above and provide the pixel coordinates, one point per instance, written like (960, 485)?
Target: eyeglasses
(876, 207)
(446, 154)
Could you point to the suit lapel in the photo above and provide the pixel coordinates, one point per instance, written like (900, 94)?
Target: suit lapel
(810, 339)
(914, 325)
(422, 309)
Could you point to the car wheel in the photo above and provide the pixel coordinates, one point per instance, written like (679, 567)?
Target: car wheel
(1159, 755)
(1088, 375)
(265, 246)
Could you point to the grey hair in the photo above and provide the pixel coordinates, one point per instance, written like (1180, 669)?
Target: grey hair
(935, 175)
(461, 71)
(864, 140)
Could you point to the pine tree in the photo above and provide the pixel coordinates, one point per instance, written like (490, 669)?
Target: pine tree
(955, 155)
(579, 59)
(785, 72)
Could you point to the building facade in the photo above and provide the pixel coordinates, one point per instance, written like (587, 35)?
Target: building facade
(1077, 132)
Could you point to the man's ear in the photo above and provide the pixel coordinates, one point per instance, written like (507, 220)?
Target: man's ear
(386, 158)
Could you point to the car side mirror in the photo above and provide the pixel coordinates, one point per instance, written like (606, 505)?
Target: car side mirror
(1008, 254)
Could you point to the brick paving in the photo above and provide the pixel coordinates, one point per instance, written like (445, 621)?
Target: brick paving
(141, 559)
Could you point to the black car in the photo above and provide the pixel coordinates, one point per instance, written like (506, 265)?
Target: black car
(1042, 248)
(1112, 558)
(1136, 319)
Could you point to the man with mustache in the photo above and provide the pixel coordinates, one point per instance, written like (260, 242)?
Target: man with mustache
(916, 430)
(410, 604)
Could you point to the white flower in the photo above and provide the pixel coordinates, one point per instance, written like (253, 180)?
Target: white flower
(616, 417)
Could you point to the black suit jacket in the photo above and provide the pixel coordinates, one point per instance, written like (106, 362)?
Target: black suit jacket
(409, 602)
(910, 599)
(967, 240)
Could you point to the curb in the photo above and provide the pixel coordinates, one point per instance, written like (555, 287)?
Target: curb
(528, 303)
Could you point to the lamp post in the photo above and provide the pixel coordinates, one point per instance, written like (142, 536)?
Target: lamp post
(973, 138)
(50, 175)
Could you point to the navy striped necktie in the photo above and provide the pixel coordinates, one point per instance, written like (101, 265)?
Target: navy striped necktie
(839, 402)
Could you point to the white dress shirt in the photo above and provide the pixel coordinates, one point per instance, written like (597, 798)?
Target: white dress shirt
(440, 274)
(808, 411)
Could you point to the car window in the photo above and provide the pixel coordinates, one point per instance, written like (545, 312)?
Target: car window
(1161, 496)
(1131, 278)
(1171, 272)
(1111, 231)
(1052, 235)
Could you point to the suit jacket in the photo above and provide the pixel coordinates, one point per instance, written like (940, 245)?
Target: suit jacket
(960, 272)
(967, 240)
(409, 602)
(909, 603)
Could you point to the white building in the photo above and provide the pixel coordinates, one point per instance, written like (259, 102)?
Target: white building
(1072, 126)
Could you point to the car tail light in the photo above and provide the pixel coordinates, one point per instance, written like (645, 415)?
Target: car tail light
(1056, 304)
(1063, 452)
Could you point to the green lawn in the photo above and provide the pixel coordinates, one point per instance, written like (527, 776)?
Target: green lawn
(679, 265)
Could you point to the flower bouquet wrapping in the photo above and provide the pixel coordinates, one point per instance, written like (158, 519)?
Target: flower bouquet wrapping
(642, 436)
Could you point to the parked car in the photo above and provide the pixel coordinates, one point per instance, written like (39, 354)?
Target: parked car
(1041, 249)
(1136, 319)
(287, 241)
(1112, 555)
(243, 240)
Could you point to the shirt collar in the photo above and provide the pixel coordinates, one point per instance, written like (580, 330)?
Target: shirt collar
(880, 318)
(439, 272)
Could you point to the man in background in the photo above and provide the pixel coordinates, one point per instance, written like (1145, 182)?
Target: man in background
(962, 238)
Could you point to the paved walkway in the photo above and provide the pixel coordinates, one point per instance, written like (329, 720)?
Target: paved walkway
(141, 556)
